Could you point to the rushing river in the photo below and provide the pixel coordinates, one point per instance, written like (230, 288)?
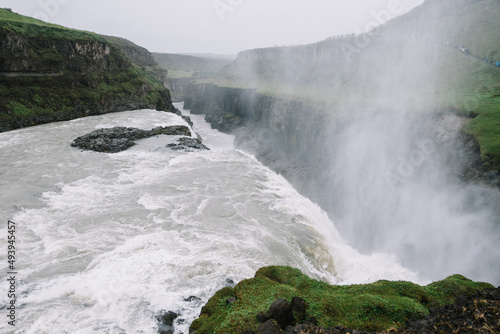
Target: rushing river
(106, 241)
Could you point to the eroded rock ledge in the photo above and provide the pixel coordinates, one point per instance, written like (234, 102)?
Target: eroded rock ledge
(188, 144)
(120, 138)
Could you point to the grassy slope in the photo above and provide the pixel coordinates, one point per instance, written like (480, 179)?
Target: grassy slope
(28, 100)
(373, 307)
(8, 15)
(31, 27)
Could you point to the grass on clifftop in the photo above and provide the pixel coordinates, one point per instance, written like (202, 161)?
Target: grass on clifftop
(372, 307)
(53, 81)
(31, 27)
(9, 15)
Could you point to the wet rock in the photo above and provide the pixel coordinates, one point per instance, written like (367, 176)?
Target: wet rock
(109, 140)
(281, 311)
(263, 316)
(305, 329)
(284, 313)
(269, 327)
(166, 321)
(119, 138)
(174, 130)
(192, 299)
(298, 307)
(166, 318)
(188, 144)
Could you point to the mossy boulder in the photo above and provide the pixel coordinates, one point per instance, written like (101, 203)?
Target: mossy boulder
(368, 307)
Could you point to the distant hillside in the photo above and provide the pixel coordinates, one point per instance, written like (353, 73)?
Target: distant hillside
(141, 57)
(190, 66)
(51, 73)
(439, 56)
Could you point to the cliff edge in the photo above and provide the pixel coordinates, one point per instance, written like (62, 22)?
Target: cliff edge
(51, 73)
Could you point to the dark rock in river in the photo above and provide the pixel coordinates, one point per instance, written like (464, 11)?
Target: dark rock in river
(120, 138)
(166, 321)
(188, 144)
(166, 318)
(192, 299)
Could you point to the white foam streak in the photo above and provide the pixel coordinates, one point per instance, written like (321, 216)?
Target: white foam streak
(113, 239)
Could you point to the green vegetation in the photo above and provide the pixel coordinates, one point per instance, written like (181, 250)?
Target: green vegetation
(9, 15)
(51, 73)
(471, 87)
(372, 307)
(30, 27)
(486, 128)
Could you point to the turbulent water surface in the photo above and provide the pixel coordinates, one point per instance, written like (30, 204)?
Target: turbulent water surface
(106, 241)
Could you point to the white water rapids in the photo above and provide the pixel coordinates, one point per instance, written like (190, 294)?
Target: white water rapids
(106, 241)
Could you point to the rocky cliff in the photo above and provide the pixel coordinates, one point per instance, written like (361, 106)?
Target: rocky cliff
(184, 70)
(142, 58)
(51, 73)
(288, 135)
(296, 102)
(331, 50)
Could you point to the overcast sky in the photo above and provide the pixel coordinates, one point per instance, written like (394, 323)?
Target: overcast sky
(214, 26)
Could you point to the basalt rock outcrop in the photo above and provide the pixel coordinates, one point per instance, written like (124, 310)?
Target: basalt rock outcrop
(166, 321)
(188, 144)
(118, 139)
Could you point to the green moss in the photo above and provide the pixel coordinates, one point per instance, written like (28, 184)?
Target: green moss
(372, 307)
(445, 292)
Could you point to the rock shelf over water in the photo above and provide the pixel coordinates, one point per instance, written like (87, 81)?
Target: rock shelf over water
(120, 138)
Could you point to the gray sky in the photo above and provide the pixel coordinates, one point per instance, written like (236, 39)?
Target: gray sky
(214, 26)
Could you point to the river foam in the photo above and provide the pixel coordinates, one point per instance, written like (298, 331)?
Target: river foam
(106, 241)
